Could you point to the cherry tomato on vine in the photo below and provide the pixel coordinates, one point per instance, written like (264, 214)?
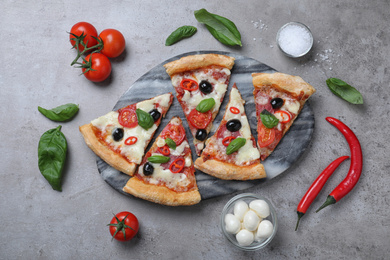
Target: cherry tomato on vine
(113, 42)
(86, 32)
(123, 226)
(97, 68)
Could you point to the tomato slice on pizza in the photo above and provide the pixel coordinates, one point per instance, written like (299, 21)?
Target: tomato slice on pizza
(231, 153)
(167, 174)
(120, 137)
(279, 98)
(197, 79)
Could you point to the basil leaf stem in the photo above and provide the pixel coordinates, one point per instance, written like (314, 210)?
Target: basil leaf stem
(179, 34)
(344, 91)
(145, 120)
(158, 159)
(268, 119)
(235, 145)
(220, 27)
(205, 105)
(60, 113)
(52, 149)
(170, 143)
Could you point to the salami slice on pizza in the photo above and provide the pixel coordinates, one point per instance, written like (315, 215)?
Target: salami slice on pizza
(231, 153)
(120, 137)
(279, 99)
(198, 79)
(167, 174)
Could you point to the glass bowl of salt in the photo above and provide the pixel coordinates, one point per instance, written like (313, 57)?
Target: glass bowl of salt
(294, 39)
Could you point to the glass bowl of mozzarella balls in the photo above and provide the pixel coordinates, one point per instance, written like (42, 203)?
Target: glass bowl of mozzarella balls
(249, 221)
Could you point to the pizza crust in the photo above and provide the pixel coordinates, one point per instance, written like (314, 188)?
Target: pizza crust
(194, 62)
(161, 194)
(105, 153)
(228, 171)
(291, 84)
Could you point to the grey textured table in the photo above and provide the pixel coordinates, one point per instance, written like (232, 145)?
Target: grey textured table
(351, 42)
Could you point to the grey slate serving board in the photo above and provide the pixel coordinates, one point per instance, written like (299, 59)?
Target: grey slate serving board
(157, 81)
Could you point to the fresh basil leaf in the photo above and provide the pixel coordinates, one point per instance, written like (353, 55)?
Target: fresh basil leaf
(344, 91)
(145, 120)
(170, 143)
(158, 159)
(60, 113)
(235, 145)
(52, 150)
(179, 34)
(220, 27)
(205, 105)
(268, 119)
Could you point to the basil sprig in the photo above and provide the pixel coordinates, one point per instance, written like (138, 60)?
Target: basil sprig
(220, 27)
(52, 150)
(268, 119)
(344, 91)
(60, 113)
(170, 143)
(145, 120)
(235, 145)
(205, 105)
(179, 34)
(158, 159)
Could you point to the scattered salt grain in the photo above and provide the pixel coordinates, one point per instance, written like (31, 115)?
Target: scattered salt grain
(295, 39)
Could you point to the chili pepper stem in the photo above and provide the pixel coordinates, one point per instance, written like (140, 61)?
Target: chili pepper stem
(329, 201)
(300, 214)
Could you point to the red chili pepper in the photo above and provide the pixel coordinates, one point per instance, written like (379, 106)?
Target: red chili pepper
(316, 187)
(131, 140)
(234, 110)
(355, 169)
(175, 166)
(286, 117)
(226, 141)
(189, 84)
(164, 150)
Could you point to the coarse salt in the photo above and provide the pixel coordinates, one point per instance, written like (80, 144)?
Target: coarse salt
(295, 39)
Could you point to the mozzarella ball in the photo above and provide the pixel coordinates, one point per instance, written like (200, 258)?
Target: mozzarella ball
(240, 208)
(264, 230)
(260, 207)
(245, 237)
(251, 220)
(232, 224)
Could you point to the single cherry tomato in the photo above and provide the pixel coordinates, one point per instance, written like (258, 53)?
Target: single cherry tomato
(128, 117)
(234, 110)
(96, 67)
(177, 165)
(283, 116)
(226, 141)
(131, 140)
(113, 42)
(175, 132)
(124, 226)
(164, 150)
(265, 136)
(189, 84)
(84, 32)
(198, 119)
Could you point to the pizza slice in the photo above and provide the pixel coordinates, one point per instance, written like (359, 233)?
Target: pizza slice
(231, 153)
(198, 79)
(279, 98)
(120, 137)
(167, 174)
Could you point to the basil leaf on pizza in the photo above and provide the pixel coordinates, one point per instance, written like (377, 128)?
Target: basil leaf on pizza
(205, 105)
(170, 143)
(220, 27)
(268, 119)
(179, 34)
(60, 113)
(158, 159)
(145, 120)
(344, 91)
(235, 145)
